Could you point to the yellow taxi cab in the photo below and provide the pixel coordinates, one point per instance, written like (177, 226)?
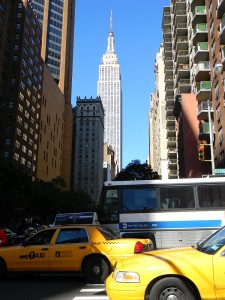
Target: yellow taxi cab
(90, 249)
(191, 273)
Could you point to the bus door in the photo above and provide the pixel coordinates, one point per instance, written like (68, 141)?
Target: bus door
(108, 211)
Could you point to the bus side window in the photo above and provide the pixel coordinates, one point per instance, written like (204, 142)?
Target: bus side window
(210, 196)
(177, 197)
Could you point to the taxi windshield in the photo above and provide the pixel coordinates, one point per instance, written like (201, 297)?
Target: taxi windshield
(108, 233)
(213, 243)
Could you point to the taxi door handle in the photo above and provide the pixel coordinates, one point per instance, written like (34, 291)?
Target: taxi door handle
(44, 249)
(82, 247)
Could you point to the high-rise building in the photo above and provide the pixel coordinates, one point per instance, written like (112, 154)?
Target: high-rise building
(88, 124)
(21, 84)
(158, 123)
(57, 18)
(109, 89)
(194, 39)
(35, 118)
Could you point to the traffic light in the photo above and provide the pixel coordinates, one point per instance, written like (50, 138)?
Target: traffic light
(201, 152)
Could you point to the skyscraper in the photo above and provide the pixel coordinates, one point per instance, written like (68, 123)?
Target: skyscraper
(88, 116)
(21, 80)
(57, 18)
(109, 89)
(194, 43)
(158, 123)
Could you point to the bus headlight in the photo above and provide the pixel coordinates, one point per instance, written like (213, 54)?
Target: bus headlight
(124, 276)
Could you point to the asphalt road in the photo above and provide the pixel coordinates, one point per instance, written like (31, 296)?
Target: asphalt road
(51, 287)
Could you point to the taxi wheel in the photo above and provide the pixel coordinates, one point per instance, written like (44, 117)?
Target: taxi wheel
(3, 269)
(96, 269)
(171, 288)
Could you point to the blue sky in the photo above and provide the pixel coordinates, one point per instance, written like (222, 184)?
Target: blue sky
(137, 27)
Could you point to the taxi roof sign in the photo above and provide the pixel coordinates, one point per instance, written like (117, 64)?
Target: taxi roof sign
(76, 218)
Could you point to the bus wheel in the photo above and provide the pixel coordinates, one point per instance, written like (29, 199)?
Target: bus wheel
(96, 269)
(171, 288)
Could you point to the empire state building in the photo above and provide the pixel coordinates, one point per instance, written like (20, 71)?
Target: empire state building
(109, 89)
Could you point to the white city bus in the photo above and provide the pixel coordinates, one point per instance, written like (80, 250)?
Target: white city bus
(173, 213)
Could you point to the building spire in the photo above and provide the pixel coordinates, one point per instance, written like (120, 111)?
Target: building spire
(110, 47)
(111, 22)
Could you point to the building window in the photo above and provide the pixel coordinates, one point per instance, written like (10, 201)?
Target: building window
(23, 161)
(16, 156)
(6, 154)
(17, 144)
(7, 142)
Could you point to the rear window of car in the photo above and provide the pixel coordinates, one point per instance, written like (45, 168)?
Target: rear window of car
(108, 233)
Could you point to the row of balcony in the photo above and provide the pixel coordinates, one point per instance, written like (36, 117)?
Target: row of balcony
(200, 38)
(202, 71)
(201, 52)
(201, 56)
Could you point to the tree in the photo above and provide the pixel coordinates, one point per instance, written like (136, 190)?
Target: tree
(21, 198)
(59, 183)
(15, 190)
(137, 171)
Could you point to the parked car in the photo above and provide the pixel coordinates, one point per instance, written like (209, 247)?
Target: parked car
(90, 249)
(191, 273)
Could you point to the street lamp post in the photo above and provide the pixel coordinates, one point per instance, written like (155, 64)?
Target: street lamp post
(211, 138)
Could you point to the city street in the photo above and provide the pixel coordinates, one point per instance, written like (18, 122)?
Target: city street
(51, 287)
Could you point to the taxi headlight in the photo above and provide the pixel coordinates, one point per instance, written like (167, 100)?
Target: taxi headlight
(124, 276)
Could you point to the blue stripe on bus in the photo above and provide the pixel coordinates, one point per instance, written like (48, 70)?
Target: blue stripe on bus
(171, 224)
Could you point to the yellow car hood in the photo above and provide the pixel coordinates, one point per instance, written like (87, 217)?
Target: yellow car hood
(184, 261)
